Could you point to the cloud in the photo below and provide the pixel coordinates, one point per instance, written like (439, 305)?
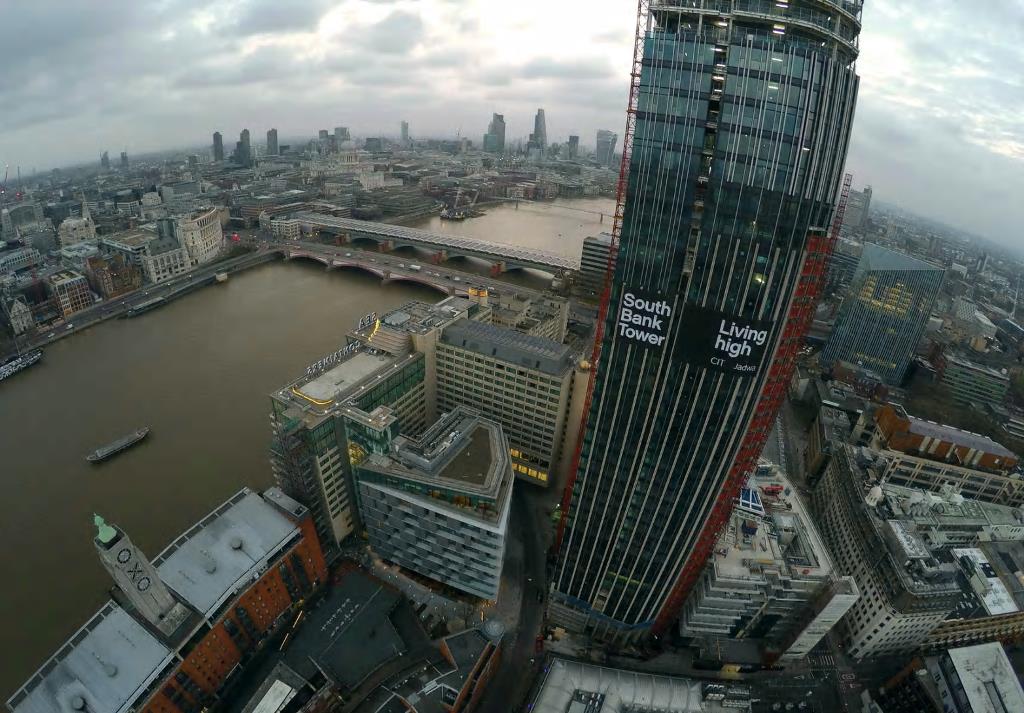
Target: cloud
(939, 129)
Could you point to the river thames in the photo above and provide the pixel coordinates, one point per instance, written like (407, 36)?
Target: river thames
(198, 372)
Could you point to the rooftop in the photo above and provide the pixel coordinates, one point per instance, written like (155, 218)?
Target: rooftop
(510, 346)
(349, 634)
(223, 552)
(875, 257)
(576, 687)
(959, 437)
(988, 679)
(106, 665)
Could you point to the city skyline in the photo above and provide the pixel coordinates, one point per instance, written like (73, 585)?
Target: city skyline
(407, 56)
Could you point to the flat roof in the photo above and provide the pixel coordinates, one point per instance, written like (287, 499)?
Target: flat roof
(108, 663)
(577, 686)
(996, 598)
(224, 551)
(876, 257)
(510, 345)
(987, 678)
(333, 383)
(349, 634)
(472, 462)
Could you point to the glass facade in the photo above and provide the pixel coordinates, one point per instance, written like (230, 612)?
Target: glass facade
(741, 132)
(885, 313)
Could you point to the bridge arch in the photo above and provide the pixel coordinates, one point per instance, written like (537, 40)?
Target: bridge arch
(420, 281)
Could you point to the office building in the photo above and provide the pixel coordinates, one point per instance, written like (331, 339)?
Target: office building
(906, 588)
(16, 259)
(243, 149)
(74, 230)
(105, 161)
(494, 139)
(572, 149)
(201, 235)
(928, 455)
(842, 265)
(605, 152)
(405, 133)
(972, 383)
(705, 318)
(539, 137)
(218, 147)
(532, 386)
(113, 275)
(341, 134)
(124, 159)
(70, 291)
(770, 569)
(577, 687)
(594, 268)
(388, 362)
(970, 679)
(885, 313)
(181, 624)
(437, 505)
(858, 208)
(272, 149)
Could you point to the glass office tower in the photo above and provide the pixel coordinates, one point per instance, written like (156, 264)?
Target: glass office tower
(885, 312)
(743, 119)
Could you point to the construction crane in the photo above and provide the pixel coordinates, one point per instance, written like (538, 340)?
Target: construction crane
(643, 19)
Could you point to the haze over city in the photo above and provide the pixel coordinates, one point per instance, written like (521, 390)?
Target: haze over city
(939, 121)
(395, 356)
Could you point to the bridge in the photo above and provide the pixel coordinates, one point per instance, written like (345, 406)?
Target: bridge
(390, 237)
(390, 269)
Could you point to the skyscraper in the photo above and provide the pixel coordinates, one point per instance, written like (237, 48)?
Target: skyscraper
(105, 160)
(341, 134)
(539, 138)
(885, 313)
(272, 142)
(124, 159)
(573, 147)
(405, 133)
(243, 151)
(218, 146)
(606, 146)
(717, 233)
(494, 139)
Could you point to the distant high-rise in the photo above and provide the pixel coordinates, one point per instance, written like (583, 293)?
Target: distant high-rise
(218, 147)
(885, 313)
(606, 146)
(718, 260)
(341, 134)
(405, 133)
(105, 160)
(572, 149)
(243, 150)
(124, 159)
(858, 207)
(323, 134)
(494, 139)
(272, 142)
(540, 130)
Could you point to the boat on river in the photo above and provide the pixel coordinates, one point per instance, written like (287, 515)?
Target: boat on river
(121, 444)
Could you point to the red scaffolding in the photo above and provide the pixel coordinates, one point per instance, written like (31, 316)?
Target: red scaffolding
(642, 19)
(805, 300)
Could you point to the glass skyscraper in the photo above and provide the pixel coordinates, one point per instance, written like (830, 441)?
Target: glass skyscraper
(743, 118)
(885, 312)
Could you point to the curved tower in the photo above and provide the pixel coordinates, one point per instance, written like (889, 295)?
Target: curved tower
(742, 112)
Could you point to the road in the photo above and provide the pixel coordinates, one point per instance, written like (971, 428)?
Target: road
(112, 308)
(508, 689)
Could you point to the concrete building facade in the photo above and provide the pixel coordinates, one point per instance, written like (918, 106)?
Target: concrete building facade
(437, 505)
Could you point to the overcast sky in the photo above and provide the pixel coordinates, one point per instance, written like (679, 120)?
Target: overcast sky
(940, 122)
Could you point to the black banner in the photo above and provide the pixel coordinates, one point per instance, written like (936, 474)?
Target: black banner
(723, 342)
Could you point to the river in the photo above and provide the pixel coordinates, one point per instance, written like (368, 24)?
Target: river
(198, 372)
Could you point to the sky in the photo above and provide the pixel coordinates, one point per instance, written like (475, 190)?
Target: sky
(939, 127)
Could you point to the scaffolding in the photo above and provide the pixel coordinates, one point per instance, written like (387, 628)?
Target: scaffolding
(801, 312)
(643, 18)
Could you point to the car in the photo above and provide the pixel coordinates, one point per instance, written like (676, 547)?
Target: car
(70, 326)
(50, 335)
(348, 254)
